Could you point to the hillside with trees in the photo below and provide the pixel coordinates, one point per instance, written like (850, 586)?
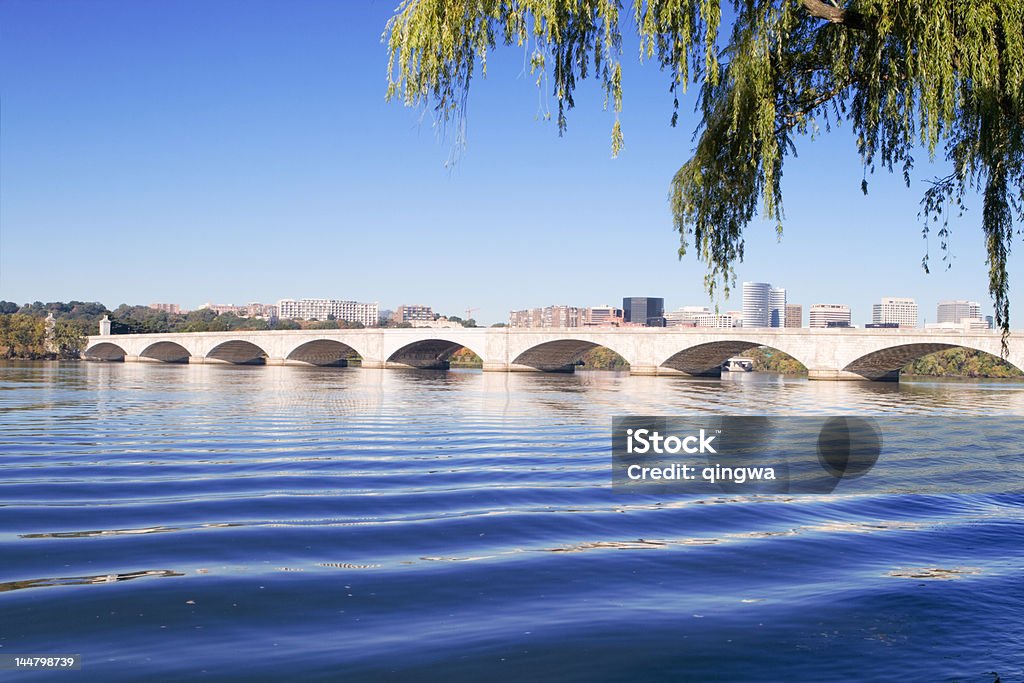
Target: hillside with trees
(950, 363)
(962, 363)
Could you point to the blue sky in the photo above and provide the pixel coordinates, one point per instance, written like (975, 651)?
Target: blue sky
(237, 151)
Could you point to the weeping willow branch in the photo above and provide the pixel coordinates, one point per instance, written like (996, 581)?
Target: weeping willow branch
(943, 75)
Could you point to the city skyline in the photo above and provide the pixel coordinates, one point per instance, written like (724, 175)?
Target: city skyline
(954, 310)
(180, 179)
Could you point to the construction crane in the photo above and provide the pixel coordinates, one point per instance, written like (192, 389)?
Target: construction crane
(469, 312)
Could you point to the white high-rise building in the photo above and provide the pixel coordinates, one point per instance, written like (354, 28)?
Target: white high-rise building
(777, 307)
(326, 309)
(956, 311)
(756, 297)
(823, 314)
(763, 305)
(899, 310)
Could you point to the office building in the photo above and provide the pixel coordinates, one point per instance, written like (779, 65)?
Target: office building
(527, 317)
(763, 305)
(550, 316)
(561, 316)
(709, 319)
(955, 311)
(685, 316)
(899, 310)
(644, 310)
(755, 304)
(166, 308)
(777, 307)
(327, 309)
(965, 325)
(794, 315)
(602, 316)
(409, 313)
(698, 316)
(829, 315)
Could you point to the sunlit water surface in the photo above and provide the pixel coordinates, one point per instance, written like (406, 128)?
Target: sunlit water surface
(282, 523)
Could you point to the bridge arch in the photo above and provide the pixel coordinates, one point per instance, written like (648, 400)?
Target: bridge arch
(323, 352)
(237, 352)
(560, 355)
(885, 363)
(166, 352)
(705, 360)
(104, 351)
(425, 354)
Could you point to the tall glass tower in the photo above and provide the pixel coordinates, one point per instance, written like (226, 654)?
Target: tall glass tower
(763, 305)
(646, 310)
(756, 298)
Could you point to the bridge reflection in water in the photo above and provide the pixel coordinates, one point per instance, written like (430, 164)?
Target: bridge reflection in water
(828, 354)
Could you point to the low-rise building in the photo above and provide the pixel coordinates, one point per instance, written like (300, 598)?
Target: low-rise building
(955, 311)
(550, 316)
(326, 309)
(411, 313)
(965, 325)
(821, 315)
(602, 316)
(263, 311)
(686, 316)
(221, 309)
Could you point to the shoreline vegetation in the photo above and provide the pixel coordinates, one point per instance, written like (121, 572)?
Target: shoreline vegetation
(27, 334)
(954, 363)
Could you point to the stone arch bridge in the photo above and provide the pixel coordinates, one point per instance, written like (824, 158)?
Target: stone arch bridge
(828, 354)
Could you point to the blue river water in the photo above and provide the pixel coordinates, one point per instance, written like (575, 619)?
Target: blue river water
(241, 523)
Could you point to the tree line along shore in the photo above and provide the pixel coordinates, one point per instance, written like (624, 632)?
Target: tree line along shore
(27, 334)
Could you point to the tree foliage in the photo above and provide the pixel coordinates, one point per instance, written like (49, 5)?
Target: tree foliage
(961, 363)
(943, 75)
(601, 358)
(772, 360)
(68, 339)
(464, 358)
(23, 335)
